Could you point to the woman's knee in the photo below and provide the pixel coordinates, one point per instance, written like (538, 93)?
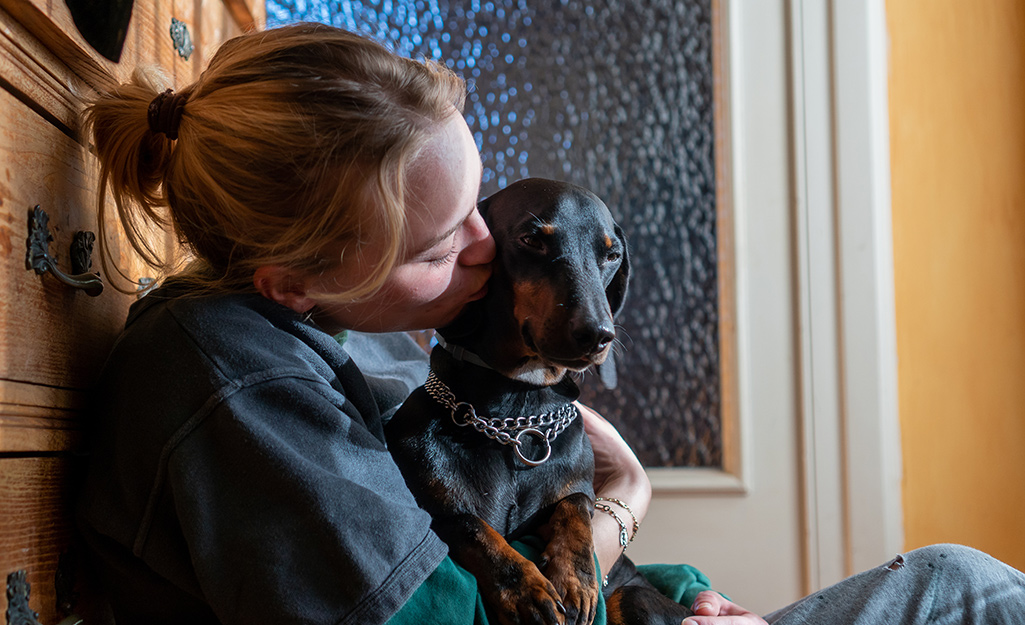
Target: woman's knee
(962, 561)
(948, 553)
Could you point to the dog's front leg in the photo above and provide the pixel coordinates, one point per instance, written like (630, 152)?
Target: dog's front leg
(568, 560)
(511, 584)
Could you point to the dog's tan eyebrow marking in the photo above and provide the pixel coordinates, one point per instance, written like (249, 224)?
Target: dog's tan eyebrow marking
(608, 241)
(548, 228)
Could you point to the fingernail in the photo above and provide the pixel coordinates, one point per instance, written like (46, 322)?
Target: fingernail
(704, 605)
(689, 621)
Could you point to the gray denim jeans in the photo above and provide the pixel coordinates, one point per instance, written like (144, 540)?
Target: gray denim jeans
(936, 585)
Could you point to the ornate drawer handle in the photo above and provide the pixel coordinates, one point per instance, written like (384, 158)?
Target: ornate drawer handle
(180, 38)
(38, 255)
(18, 612)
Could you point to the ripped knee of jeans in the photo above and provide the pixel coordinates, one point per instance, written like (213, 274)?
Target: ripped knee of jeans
(896, 564)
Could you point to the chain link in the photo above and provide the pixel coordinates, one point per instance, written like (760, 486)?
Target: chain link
(509, 430)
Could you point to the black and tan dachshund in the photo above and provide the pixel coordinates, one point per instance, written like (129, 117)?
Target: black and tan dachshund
(492, 445)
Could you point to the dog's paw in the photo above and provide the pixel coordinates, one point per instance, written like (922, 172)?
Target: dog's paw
(574, 580)
(531, 599)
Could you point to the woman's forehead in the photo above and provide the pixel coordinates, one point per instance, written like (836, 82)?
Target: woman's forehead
(443, 182)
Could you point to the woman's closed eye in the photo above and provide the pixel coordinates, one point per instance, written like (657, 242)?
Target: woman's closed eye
(444, 258)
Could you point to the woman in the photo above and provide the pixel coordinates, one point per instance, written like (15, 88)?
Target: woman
(323, 185)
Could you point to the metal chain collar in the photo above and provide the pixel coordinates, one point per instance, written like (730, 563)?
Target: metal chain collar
(509, 430)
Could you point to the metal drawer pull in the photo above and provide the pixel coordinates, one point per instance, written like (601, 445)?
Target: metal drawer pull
(18, 611)
(38, 255)
(180, 38)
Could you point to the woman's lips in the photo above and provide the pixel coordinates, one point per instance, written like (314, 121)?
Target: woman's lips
(480, 293)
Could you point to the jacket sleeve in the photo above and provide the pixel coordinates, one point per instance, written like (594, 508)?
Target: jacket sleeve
(679, 582)
(293, 512)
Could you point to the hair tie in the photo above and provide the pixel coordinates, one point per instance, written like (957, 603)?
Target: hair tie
(165, 113)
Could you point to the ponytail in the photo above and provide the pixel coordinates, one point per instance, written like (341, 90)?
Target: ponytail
(134, 161)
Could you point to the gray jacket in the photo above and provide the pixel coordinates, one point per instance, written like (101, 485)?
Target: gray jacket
(239, 473)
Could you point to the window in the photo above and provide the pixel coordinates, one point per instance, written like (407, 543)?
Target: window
(618, 97)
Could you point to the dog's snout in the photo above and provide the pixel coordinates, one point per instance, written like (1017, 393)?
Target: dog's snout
(591, 338)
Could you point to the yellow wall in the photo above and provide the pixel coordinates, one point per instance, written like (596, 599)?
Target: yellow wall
(957, 129)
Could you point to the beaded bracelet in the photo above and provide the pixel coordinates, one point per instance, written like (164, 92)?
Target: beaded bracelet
(622, 504)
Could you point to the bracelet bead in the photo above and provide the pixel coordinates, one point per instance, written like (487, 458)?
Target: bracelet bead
(624, 538)
(622, 504)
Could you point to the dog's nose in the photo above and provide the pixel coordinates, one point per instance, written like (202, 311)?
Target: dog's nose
(591, 338)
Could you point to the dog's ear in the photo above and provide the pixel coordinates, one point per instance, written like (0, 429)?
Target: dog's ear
(615, 292)
(607, 370)
(482, 207)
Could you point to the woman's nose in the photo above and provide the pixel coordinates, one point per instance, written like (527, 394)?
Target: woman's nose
(481, 247)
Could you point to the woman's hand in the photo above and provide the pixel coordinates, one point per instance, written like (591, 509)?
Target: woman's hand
(711, 608)
(617, 474)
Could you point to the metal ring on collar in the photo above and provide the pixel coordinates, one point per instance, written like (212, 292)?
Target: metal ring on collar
(466, 411)
(540, 436)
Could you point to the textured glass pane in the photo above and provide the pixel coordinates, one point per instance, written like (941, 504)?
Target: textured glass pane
(615, 96)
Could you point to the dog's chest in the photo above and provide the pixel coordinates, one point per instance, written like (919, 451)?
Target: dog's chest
(454, 469)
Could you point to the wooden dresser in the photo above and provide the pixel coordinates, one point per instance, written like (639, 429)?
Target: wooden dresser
(54, 337)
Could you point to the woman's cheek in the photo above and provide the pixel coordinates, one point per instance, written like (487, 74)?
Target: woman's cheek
(416, 287)
(432, 289)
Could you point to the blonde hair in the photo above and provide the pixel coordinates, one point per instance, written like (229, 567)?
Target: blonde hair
(292, 151)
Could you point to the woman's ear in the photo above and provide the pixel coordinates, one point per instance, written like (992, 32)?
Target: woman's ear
(284, 286)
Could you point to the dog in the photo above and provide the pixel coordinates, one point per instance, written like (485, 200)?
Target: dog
(492, 445)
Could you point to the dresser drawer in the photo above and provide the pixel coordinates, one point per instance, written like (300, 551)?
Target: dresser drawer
(50, 334)
(37, 538)
(53, 338)
(148, 39)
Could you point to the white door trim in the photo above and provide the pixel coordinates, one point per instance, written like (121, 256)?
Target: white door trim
(851, 432)
(868, 311)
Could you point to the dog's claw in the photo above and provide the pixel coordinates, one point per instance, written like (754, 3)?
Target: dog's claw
(562, 608)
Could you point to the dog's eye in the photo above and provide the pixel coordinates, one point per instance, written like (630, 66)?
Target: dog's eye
(532, 241)
(613, 257)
